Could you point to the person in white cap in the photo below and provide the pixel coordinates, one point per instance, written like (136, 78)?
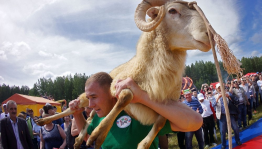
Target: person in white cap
(221, 115)
(4, 114)
(208, 120)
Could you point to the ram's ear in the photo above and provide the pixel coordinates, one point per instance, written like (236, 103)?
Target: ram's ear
(153, 12)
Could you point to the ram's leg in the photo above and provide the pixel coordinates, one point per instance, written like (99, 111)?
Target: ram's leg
(49, 119)
(83, 103)
(83, 133)
(147, 141)
(100, 132)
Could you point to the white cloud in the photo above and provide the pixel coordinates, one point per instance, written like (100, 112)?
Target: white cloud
(3, 55)
(257, 38)
(256, 53)
(52, 38)
(1, 78)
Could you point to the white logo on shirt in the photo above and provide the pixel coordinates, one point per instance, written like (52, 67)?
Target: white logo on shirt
(123, 121)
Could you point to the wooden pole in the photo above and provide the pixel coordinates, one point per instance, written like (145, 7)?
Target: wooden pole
(210, 29)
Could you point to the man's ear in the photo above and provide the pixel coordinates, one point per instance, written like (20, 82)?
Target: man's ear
(152, 12)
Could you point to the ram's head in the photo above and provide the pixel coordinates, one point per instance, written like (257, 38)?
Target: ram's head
(186, 29)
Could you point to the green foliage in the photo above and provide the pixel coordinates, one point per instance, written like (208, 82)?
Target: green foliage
(60, 88)
(68, 87)
(205, 72)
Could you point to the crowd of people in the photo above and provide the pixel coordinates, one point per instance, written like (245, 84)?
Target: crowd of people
(194, 106)
(242, 100)
(59, 134)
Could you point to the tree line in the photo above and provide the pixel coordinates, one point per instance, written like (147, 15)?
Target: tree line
(68, 87)
(65, 87)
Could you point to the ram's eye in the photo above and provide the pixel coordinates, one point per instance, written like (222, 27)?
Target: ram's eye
(172, 11)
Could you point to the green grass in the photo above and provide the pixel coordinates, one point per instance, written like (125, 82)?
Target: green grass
(172, 138)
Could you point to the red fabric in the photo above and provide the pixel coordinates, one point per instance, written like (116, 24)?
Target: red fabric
(251, 73)
(213, 110)
(214, 84)
(255, 143)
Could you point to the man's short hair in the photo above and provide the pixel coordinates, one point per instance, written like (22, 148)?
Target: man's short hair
(46, 108)
(10, 102)
(102, 78)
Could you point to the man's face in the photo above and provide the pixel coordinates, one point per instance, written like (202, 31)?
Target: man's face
(30, 113)
(51, 111)
(211, 86)
(195, 93)
(4, 108)
(201, 100)
(188, 96)
(100, 99)
(12, 110)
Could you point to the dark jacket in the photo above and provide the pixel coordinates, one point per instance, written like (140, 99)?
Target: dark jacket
(8, 135)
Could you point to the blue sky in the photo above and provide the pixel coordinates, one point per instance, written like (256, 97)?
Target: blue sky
(50, 38)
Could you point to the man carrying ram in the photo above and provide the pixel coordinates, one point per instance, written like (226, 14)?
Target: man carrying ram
(126, 131)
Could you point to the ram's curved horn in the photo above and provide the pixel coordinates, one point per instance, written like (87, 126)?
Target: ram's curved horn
(140, 14)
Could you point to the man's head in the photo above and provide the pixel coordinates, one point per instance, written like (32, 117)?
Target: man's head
(218, 87)
(55, 109)
(30, 112)
(200, 97)
(4, 106)
(11, 109)
(97, 89)
(41, 111)
(243, 80)
(194, 93)
(187, 94)
(236, 84)
(48, 109)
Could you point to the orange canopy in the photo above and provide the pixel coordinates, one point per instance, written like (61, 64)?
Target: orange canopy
(30, 100)
(35, 103)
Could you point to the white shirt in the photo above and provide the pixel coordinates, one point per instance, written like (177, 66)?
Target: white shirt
(206, 108)
(36, 129)
(259, 83)
(15, 129)
(3, 115)
(246, 87)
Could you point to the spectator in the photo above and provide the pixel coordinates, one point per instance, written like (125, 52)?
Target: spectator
(4, 114)
(21, 115)
(221, 115)
(30, 123)
(212, 89)
(254, 80)
(70, 137)
(194, 94)
(204, 89)
(241, 91)
(51, 135)
(196, 106)
(259, 83)
(14, 131)
(208, 120)
(180, 134)
(36, 132)
(251, 92)
(66, 123)
(41, 112)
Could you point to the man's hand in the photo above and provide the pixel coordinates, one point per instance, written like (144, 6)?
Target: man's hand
(129, 83)
(74, 105)
(197, 110)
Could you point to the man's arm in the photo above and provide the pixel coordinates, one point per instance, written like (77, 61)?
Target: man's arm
(180, 116)
(78, 116)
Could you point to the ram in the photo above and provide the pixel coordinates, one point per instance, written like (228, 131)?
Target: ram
(173, 28)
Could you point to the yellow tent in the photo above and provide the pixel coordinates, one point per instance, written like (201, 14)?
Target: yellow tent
(31, 102)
